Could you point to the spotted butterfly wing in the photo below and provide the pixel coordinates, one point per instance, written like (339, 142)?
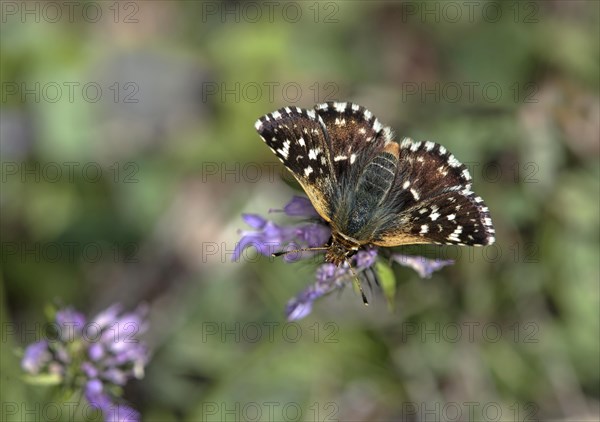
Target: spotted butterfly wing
(298, 137)
(433, 201)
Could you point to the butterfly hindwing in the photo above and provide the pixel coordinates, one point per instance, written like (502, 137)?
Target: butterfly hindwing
(298, 138)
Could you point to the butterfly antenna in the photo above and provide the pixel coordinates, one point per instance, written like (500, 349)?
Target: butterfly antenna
(320, 248)
(357, 283)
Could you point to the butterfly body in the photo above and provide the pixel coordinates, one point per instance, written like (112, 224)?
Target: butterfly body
(371, 189)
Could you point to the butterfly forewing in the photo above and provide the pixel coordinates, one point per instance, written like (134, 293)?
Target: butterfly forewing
(298, 138)
(433, 201)
(354, 135)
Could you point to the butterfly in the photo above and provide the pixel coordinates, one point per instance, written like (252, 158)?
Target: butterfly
(371, 189)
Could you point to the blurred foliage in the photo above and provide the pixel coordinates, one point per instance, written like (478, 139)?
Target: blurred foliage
(144, 192)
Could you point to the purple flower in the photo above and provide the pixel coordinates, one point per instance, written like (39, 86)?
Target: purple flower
(102, 354)
(299, 206)
(70, 322)
(106, 317)
(423, 266)
(269, 237)
(36, 357)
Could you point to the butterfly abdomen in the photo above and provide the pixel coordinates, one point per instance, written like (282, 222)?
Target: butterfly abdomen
(369, 193)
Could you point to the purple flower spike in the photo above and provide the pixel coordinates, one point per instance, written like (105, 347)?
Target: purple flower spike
(270, 237)
(36, 357)
(107, 356)
(329, 279)
(424, 266)
(300, 206)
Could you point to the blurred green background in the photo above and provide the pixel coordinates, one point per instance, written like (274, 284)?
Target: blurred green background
(129, 153)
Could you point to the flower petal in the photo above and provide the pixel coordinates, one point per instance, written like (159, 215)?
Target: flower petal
(423, 266)
(255, 221)
(35, 357)
(300, 206)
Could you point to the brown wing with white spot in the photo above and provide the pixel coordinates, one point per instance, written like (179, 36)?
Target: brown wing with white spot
(353, 134)
(298, 138)
(433, 202)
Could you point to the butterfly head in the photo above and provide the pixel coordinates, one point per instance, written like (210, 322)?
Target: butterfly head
(341, 249)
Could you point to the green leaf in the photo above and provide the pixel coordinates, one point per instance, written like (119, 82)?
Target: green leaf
(388, 281)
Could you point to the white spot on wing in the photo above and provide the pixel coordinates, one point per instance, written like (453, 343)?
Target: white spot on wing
(355, 107)
(434, 215)
(276, 115)
(451, 216)
(340, 158)
(307, 171)
(377, 126)
(424, 229)
(388, 134)
(406, 143)
(339, 107)
(415, 194)
(453, 161)
(313, 153)
(368, 114)
(405, 185)
(285, 150)
(352, 158)
(301, 142)
(454, 235)
(311, 114)
(258, 125)
(429, 146)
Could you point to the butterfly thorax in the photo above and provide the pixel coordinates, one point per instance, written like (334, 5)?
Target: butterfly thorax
(341, 248)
